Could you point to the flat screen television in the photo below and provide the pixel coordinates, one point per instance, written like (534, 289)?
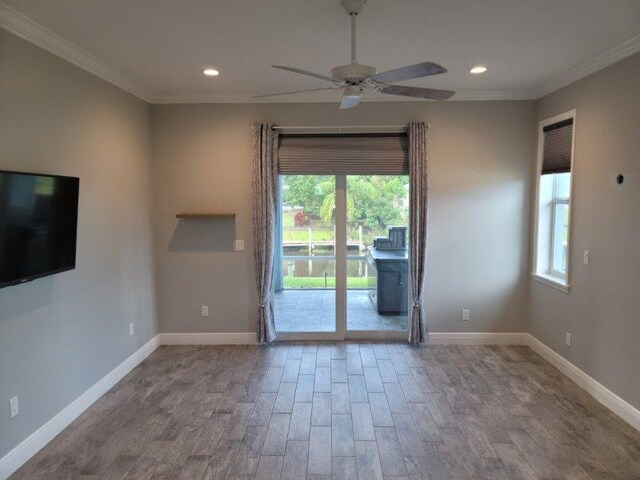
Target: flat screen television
(38, 225)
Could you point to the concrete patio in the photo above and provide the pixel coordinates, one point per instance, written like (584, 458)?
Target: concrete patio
(314, 311)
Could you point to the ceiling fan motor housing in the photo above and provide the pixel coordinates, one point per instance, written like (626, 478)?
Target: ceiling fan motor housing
(353, 74)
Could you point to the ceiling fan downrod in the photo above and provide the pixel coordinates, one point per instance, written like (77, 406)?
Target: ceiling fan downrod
(353, 8)
(354, 60)
(353, 73)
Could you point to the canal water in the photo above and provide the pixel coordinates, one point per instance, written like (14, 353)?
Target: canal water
(322, 262)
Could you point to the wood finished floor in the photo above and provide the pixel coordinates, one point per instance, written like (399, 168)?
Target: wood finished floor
(343, 411)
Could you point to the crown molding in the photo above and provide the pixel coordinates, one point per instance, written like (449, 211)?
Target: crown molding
(26, 28)
(486, 95)
(586, 68)
(22, 26)
(323, 98)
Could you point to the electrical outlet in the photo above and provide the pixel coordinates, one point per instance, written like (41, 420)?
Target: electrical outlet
(465, 314)
(238, 245)
(567, 339)
(131, 329)
(205, 310)
(14, 406)
(585, 257)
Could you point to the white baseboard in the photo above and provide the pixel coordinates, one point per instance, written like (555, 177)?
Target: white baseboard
(602, 394)
(31, 445)
(13, 460)
(224, 338)
(477, 338)
(249, 338)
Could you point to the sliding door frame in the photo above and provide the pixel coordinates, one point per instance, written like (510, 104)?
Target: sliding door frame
(340, 249)
(341, 219)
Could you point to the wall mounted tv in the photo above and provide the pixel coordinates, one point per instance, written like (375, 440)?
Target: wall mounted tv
(38, 225)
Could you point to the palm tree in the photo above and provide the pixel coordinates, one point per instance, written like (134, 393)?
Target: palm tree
(329, 205)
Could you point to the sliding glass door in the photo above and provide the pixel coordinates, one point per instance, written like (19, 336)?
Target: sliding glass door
(377, 282)
(305, 270)
(329, 280)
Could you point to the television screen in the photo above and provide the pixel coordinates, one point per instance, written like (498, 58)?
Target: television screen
(38, 225)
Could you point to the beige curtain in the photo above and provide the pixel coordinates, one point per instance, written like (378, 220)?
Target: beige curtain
(264, 182)
(417, 228)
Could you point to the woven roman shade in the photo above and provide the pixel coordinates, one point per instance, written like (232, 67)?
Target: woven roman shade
(344, 154)
(558, 140)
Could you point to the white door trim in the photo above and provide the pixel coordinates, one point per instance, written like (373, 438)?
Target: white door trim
(341, 256)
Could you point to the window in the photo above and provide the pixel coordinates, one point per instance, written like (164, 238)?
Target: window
(559, 223)
(552, 242)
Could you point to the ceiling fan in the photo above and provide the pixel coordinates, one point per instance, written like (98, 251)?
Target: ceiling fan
(353, 79)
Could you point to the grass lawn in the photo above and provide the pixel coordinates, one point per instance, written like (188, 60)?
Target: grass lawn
(318, 282)
(302, 236)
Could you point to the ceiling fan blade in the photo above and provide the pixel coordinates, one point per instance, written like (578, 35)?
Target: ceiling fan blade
(424, 69)
(295, 91)
(418, 92)
(349, 102)
(305, 72)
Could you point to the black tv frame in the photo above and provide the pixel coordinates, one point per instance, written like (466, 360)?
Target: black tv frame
(30, 278)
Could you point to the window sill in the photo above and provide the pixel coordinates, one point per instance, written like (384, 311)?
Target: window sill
(551, 281)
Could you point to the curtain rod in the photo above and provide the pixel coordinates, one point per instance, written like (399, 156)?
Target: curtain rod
(342, 128)
(338, 126)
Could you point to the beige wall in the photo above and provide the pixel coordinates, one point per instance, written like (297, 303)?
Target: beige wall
(480, 157)
(602, 309)
(61, 334)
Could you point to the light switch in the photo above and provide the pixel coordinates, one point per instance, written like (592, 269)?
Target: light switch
(14, 406)
(238, 245)
(465, 314)
(585, 257)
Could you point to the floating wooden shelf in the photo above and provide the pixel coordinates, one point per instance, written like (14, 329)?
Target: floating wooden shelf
(206, 215)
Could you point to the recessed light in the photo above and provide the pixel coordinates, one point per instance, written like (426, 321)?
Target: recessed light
(478, 69)
(211, 72)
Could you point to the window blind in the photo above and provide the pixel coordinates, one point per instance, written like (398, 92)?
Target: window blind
(558, 140)
(344, 154)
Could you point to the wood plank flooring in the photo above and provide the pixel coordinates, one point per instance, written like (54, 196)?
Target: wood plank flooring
(363, 411)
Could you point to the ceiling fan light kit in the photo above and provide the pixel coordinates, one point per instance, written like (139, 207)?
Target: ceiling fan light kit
(354, 79)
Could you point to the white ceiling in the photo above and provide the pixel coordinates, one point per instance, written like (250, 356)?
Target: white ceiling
(157, 48)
